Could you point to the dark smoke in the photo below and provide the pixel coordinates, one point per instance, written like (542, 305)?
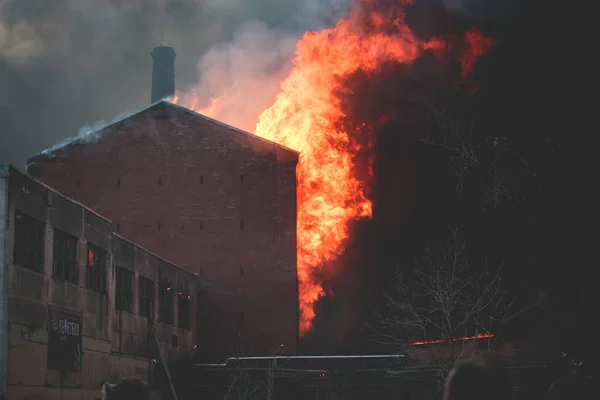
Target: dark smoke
(412, 188)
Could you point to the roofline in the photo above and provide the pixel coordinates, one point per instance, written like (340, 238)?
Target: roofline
(154, 254)
(56, 192)
(75, 140)
(254, 136)
(7, 167)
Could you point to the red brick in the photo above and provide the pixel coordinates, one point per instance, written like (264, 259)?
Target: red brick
(171, 180)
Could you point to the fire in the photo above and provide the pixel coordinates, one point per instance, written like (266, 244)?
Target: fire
(461, 339)
(304, 116)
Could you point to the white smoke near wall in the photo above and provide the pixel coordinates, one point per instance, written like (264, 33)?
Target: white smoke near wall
(88, 133)
(256, 61)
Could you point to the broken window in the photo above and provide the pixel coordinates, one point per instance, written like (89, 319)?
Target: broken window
(64, 262)
(96, 269)
(29, 243)
(146, 294)
(166, 302)
(184, 310)
(124, 289)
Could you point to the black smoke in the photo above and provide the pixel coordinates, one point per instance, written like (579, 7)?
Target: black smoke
(517, 98)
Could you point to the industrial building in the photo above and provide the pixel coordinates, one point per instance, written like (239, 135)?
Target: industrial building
(81, 304)
(218, 201)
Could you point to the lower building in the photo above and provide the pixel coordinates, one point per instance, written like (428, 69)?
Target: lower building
(81, 304)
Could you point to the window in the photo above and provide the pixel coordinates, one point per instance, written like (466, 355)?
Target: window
(201, 225)
(184, 310)
(242, 178)
(64, 263)
(165, 303)
(201, 179)
(123, 289)
(96, 269)
(29, 243)
(241, 224)
(242, 271)
(146, 294)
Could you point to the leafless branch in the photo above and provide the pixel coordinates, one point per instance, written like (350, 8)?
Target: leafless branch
(447, 298)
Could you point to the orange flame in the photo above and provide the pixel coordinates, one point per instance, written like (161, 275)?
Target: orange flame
(304, 116)
(461, 339)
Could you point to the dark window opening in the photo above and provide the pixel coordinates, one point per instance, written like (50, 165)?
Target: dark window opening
(64, 262)
(242, 178)
(158, 226)
(118, 181)
(165, 303)
(201, 225)
(201, 179)
(123, 289)
(173, 340)
(242, 316)
(242, 271)
(241, 224)
(29, 243)
(159, 181)
(182, 228)
(96, 269)
(183, 310)
(146, 294)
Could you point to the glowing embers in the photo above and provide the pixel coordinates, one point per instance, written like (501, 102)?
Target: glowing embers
(461, 339)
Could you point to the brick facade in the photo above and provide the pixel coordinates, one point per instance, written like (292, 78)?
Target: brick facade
(217, 201)
(114, 343)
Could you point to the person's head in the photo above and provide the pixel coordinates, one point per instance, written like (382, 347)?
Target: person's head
(477, 379)
(125, 389)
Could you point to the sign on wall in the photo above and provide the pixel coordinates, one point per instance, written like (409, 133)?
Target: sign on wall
(64, 340)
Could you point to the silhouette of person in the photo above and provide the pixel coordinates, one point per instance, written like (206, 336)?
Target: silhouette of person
(125, 389)
(476, 379)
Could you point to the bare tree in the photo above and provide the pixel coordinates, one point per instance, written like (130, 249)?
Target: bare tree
(472, 153)
(246, 384)
(448, 307)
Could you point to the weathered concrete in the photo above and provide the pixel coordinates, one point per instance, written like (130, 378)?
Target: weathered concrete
(114, 343)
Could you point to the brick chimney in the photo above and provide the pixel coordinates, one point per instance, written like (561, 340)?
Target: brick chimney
(163, 72)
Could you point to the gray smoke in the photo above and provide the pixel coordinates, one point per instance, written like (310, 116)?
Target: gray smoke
(65, 63)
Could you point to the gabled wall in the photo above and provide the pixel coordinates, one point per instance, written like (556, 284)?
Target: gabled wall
(217, 201)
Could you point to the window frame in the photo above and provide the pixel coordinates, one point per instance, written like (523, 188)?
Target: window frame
(145, 299)
(68, 262)
(166, 303)
(124, 289)
(98, 284)
(184, 315)
(31, 255)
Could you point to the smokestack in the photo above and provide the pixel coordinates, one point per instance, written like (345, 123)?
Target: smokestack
(163, 72)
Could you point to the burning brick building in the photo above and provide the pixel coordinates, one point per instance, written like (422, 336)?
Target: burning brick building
(216, 200)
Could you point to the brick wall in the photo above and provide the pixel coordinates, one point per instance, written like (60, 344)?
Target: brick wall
(114, 343)
(213, 200)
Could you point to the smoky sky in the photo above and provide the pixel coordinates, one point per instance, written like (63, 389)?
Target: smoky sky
(68, 63)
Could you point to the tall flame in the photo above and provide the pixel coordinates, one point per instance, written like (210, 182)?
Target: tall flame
(304, 116)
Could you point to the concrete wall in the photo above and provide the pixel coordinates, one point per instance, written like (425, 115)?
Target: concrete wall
(114, 344)
(217, 201)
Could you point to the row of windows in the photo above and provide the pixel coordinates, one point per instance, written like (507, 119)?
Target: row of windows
(29, 253)
(124, 295)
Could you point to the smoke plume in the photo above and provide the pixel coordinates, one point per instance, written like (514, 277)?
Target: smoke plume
(67, 63)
